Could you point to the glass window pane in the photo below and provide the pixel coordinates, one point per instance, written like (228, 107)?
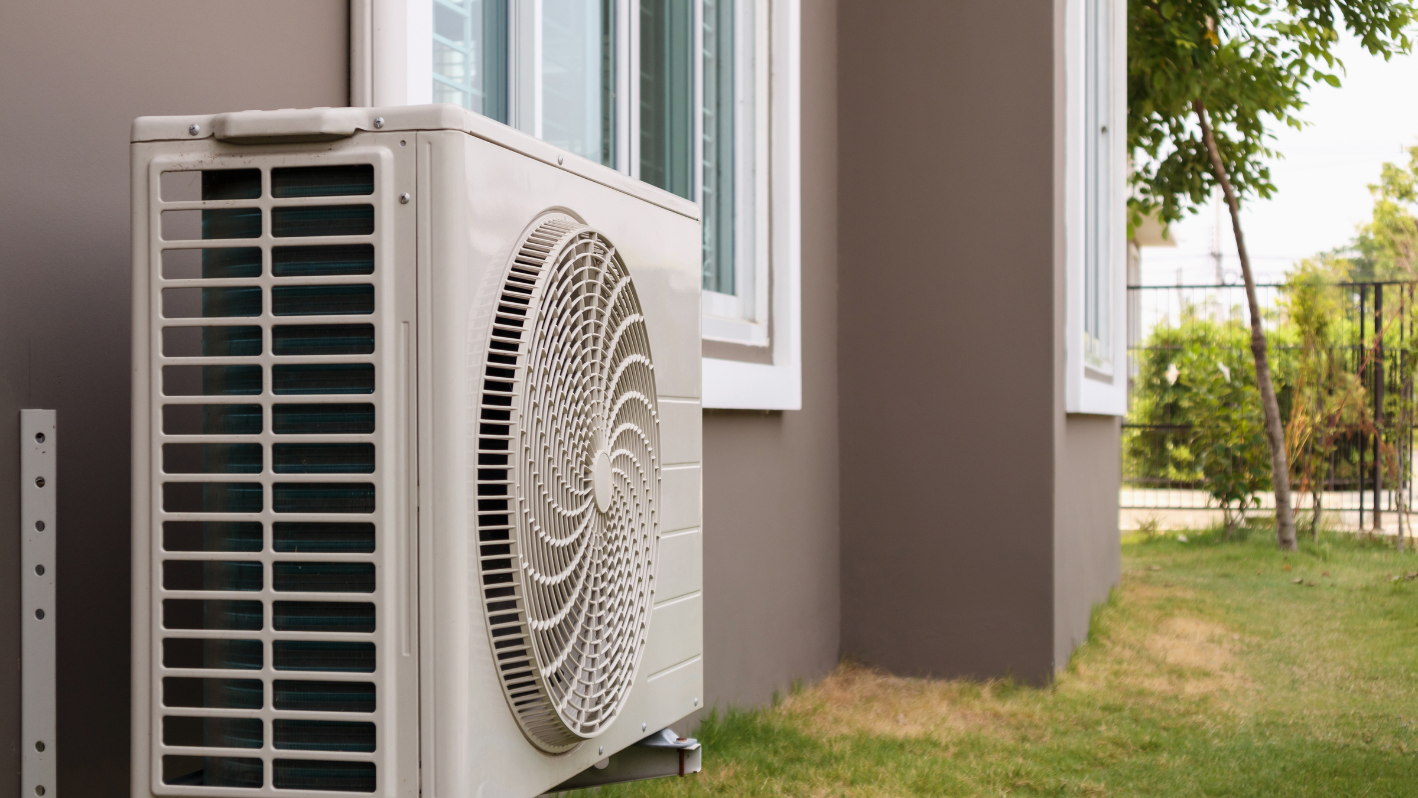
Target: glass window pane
(470, 55)
(666, 92)
(578, 77)
(719, 165)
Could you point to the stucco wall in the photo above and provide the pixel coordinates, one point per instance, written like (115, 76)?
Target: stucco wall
(947, 335)
(73, 76)
(1086, 550)
(771, 479)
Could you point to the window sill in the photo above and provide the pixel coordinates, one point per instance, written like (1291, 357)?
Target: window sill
(735, 332)
(738, 385)
(736, 352)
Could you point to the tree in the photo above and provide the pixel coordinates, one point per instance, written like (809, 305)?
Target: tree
(1205, 80)
(1387, 246)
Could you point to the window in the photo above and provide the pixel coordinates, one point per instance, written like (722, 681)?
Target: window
(1094, 227)
(1097, 277)
(570, 91)
(667, 95)
(470, 55)
(734, 148)
(673, 92)
(576, 96)
(717, 194)
(575, 107)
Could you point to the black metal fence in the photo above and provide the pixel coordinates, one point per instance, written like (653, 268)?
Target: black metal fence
(1370, 463)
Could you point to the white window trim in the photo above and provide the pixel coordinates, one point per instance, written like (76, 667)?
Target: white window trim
(1085, 389)
(733, 384)
(399, 71)
(401, 52)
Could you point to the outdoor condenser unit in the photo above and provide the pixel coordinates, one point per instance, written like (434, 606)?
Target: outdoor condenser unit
(416, 444)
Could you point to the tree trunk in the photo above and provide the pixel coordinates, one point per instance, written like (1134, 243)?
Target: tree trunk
(1319, 509)
(1274, 431)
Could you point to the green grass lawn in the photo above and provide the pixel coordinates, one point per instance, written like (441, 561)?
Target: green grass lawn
(1209, 672)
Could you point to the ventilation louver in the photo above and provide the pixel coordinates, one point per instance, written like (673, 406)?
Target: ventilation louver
(268, 591)
(568, 483)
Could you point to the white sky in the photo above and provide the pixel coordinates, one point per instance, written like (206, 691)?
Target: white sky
(1321, 183)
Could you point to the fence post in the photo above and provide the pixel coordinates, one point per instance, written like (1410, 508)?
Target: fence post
(1378, 405)
(1355, 461)
(1359, 366)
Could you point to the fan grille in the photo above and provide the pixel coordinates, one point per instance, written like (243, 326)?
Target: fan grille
(568, 483)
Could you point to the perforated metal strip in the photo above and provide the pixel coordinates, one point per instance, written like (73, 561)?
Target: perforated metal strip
(39, 441)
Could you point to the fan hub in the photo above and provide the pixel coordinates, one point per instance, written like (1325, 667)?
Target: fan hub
(601, 479)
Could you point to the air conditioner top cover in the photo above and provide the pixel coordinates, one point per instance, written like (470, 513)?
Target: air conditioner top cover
(416, 456)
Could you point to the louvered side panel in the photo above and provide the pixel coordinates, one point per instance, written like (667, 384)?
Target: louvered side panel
(282, 582)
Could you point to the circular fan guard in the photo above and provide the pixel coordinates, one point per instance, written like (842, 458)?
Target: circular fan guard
(568, 483)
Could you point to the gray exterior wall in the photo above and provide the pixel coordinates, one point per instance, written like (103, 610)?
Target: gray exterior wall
(947, 338)
(979, 523)
(1087, 453)
(771, 577)
(73, 77)
(1086, 550)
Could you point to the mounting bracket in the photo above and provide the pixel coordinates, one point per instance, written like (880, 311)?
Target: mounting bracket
(38, 483)
(662, 754)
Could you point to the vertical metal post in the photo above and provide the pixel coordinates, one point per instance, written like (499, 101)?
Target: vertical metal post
(1378, 405)
(38, 483)
(1403, 436)
(1400, 449)
(1359, 357)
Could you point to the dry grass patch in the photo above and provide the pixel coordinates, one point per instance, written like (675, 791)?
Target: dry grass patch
(1193, 658)
(1162, 657)
(1159, 647)
(858, 700)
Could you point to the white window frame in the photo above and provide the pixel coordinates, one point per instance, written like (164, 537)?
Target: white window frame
(1088, 388)
(777, 257)
(742, 318)
(391, 63)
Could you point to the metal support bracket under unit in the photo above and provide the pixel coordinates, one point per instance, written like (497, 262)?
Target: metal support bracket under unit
(38, 483)
(663, 753)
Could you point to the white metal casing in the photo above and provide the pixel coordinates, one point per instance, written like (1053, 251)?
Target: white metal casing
(474, 188)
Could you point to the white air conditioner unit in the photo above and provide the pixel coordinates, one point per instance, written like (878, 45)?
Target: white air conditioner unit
(416, 459)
